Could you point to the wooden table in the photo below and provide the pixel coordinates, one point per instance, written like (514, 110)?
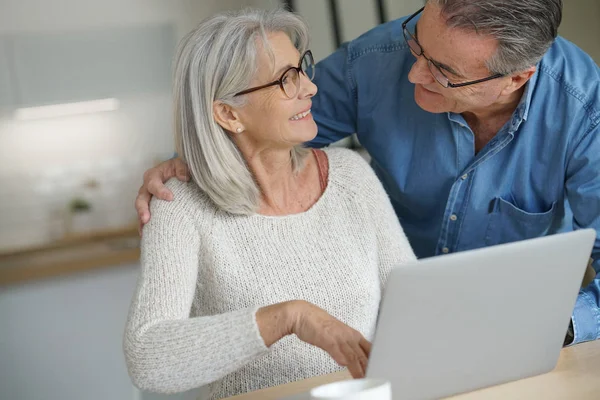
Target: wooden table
(577, 376)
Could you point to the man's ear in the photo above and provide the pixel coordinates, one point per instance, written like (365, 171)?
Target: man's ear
(518, 80)
(227, 117)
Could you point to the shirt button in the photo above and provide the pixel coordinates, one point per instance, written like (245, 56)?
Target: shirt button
(453, 217)
(465, 176)
(445, 250)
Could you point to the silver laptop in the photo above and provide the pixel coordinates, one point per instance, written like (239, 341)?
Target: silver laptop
(473, 319)
(469, 320)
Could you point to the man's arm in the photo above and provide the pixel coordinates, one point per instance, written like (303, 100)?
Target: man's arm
(583, 193)
(334, 105)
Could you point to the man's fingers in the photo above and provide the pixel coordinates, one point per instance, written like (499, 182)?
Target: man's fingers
(141, 205)
(181, 171)
(153, 185)
(158, 189)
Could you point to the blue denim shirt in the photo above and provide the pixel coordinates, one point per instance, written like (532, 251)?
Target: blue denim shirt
(539, 175)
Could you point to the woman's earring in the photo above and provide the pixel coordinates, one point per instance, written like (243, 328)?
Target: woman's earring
(239, 130)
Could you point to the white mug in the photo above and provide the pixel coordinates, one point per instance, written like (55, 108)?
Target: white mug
(355, 389)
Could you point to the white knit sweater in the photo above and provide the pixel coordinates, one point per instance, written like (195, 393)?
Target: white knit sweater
(205, 273)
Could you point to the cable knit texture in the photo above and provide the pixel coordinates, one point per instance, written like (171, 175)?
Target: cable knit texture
(205, 273)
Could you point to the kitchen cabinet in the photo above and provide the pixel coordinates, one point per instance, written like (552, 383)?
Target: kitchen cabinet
(62, 337)
(62, 67)
(6, 89)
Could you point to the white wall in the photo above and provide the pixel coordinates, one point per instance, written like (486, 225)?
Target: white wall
(65, 15)
(44, 163)
(61, 338)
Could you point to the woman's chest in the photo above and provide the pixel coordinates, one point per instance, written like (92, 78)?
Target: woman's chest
(334, 266)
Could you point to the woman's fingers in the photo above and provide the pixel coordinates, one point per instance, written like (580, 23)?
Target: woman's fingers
(355, 359)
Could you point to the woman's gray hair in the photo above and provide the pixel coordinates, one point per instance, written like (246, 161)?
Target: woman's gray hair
(525, 29)
(214, 62)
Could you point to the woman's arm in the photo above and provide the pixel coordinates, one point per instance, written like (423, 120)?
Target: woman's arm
(166, 350)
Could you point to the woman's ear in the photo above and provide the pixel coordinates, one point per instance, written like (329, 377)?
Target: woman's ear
(227, 117)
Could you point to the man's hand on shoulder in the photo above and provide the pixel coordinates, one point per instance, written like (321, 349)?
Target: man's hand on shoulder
(154, 185)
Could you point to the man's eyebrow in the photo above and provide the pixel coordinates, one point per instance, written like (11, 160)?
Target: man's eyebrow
(437, 63)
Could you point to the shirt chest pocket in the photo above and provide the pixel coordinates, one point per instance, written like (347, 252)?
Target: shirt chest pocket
(509, 223)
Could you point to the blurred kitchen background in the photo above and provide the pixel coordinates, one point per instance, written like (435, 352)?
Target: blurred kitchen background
(84, 110)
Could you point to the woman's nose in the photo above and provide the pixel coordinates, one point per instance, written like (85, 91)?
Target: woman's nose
(307, 87)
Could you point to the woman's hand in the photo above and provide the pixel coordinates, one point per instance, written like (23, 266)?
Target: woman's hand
(315, 326)
(345, 345)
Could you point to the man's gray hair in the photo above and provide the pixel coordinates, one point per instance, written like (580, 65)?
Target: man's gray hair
(525, 29)
(214, 62)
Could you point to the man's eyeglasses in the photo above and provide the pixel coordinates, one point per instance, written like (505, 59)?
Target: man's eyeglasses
(434, 68)
(290, 79)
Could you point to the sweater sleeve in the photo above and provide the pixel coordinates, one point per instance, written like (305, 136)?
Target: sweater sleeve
(167, 351)
(392, 244)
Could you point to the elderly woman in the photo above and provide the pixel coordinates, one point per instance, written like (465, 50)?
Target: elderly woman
(268, 266)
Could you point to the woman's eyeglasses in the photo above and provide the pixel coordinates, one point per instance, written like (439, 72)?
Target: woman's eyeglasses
(290, 79)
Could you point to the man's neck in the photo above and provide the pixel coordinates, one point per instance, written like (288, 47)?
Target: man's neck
(486, 123)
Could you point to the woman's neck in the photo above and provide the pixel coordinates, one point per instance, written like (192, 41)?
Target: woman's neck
(273, 172)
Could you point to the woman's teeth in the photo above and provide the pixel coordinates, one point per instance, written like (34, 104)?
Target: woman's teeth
(300, 116)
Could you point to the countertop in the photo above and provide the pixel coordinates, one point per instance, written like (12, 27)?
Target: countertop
(575, 377)
(72, 254)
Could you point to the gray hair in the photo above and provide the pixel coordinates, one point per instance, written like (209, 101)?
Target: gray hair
(214, 62)
(525, 29)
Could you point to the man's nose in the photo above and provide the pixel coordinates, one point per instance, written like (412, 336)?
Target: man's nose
(420, 73)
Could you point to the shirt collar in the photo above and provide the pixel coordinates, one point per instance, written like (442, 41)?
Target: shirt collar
(523, 108)
(521, 112)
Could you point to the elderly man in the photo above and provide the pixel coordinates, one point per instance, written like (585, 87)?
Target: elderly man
(482, 124)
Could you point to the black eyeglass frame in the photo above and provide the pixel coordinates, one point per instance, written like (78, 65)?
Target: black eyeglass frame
(409, 36)
(280, 80)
